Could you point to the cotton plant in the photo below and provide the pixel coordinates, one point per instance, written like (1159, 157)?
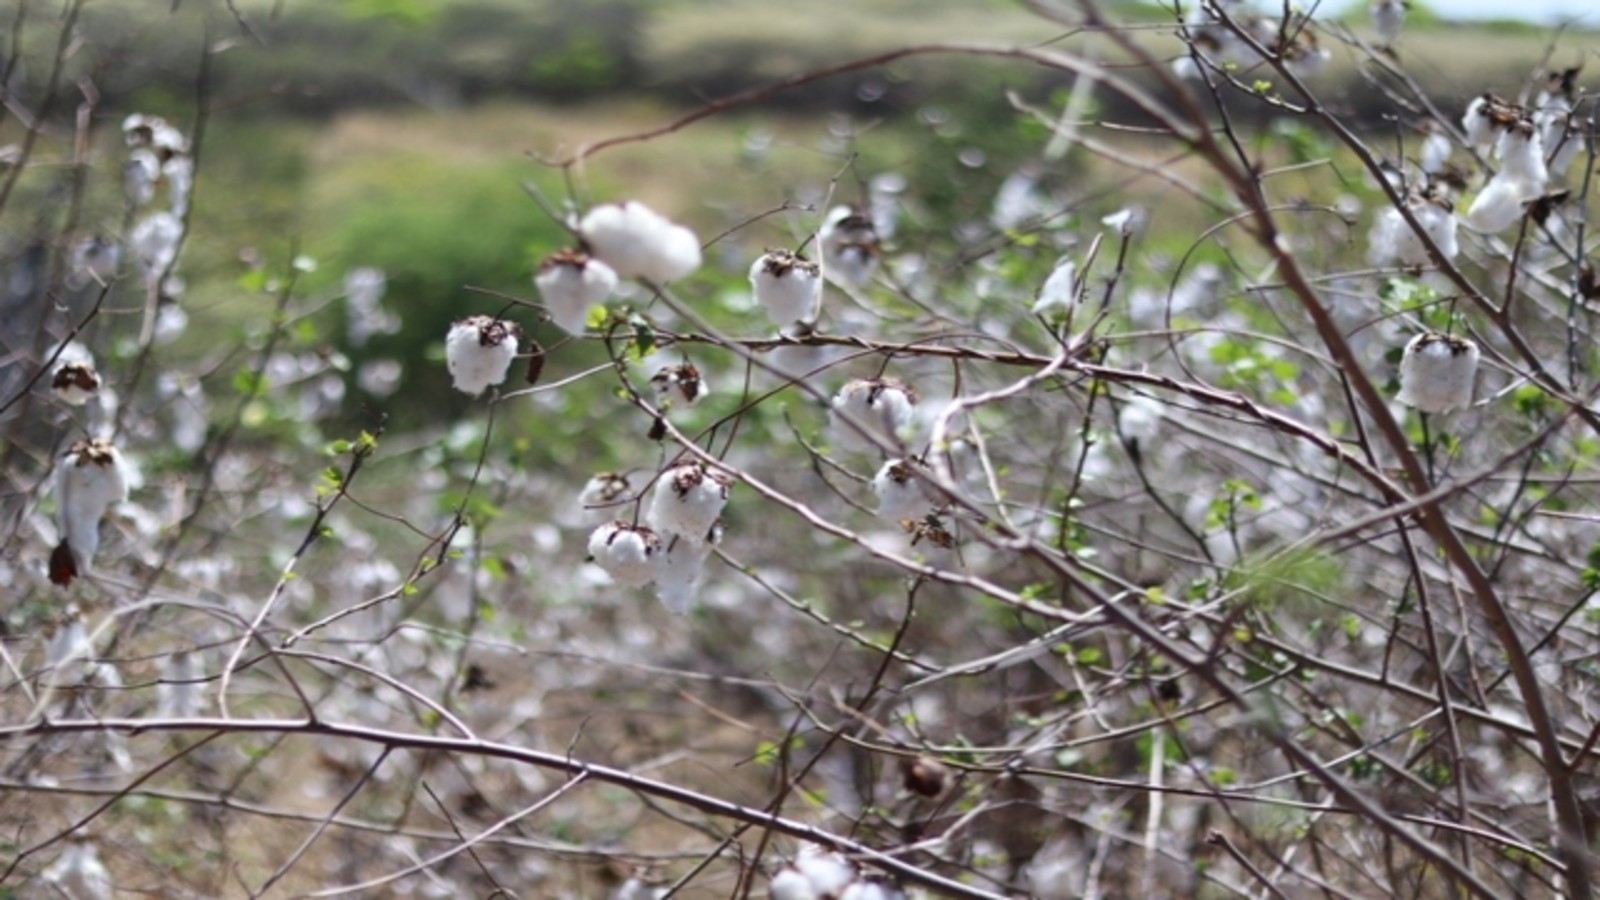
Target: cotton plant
(89, 478)
(572, 282)
(850, 246)
(635, 241)
(787, 285)
(73, 379)
(479, 351)
(1437, 371)
(868, 412)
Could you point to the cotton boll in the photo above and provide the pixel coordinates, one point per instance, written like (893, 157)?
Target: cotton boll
(74, 380)
(1435, 152)
(154, 244)
(94, 260)
(1498, 206)
(139, 176)
(1060, 290)
(829, 873)
(680, 567)
(636, 241)
(866, 412)
(1521, 152)
(687, 500)
(787, 284)
(571, 283)
(479, 351)
(78, 873)
(89, 478)
(791, 884)
(603, 492)
(626, 552)
(1437, 218)
(1563, 139)
(678, 384)
(850, 247)
(1487, 116)
(872, 890)
(900, 494)
(1436, 372)
(1387, 17)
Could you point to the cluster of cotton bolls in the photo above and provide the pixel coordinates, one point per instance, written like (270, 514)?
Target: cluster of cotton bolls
(1529, 145)
(684, 519)
(1210, 35)
(817, 874)
(158, 156)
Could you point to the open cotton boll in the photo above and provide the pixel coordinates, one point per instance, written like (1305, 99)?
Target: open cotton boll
(900, 494)
(154, 243)
(1435, 152)
(603, 492)
(872, 890)
(79, 874)
(89, 478)
(571, 283)
(679, 384)
(1498, 206)
(791, 884)
(787, 284)
(828, 873)
(1387, 17)
(850, 247)
(626, 552)
(1563, 138)
(74, 380)
(687, 500)
(680, 567)
(1521, 152)
(479, 351)
(1060, 290)
(637, 242)
(866, 412)
(1486, 116)
(94, 260)
(1436, 372)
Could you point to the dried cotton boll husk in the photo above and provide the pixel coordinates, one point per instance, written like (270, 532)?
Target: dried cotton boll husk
(479, 351)
(626, 552)
(89, 478)
(687, 500)
(787, 285)
(1436, 372)
(637, 242)
(571, 283)
(881, 406)
(900, 493)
